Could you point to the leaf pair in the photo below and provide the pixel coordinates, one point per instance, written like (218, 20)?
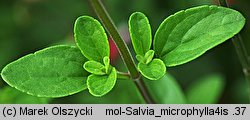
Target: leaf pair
(92, 40)
(141, 37)
(98, 68)
(183, 36)
(58, 71)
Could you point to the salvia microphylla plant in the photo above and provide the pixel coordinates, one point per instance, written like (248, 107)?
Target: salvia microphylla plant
(64, 70)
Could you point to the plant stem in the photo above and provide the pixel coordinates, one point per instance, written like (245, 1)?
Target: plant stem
(122, 75)
(243, 57)
(110, 27)
(223, 3)
(123, 48)
(241, 51)
(141, 85)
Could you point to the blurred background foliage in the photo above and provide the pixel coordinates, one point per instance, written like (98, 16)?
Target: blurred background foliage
(31, 25)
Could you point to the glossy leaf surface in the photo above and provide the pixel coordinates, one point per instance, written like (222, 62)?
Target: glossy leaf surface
(91, 38)
(100, 85)
(140, 33)
(153, 70)
(189, 33)
(52, 72)
(94, 67)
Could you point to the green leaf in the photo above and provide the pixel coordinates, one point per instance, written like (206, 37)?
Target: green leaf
(140, 33)
(101, 85)
(94, 67)
(154, 70)
(206, 91)
(91, 38)
(52, 72)
(188, 34)
(166, 90)
(149, 56)
(9, 95)
(140, 58)
(106, 62)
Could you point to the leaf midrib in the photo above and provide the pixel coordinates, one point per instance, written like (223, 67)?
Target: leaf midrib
(190, 41)
(163, 54)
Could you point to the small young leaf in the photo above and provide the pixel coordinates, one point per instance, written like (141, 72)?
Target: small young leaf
(206, 90)
(91, 38)
(149, 56)
(101, 85)
(140, 33)
(154, 70)
(188, 34)
(106, 62)
(166, 90)
(52, 72)
(140, 58)
(94, 67)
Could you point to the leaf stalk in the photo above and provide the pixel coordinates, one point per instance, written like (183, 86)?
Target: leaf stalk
(122, 75)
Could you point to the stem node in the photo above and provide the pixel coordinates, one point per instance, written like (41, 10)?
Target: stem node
(123, 48)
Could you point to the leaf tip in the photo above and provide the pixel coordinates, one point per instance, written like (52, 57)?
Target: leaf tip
(91, 38)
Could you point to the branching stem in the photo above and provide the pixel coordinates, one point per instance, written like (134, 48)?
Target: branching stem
(123, 49)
